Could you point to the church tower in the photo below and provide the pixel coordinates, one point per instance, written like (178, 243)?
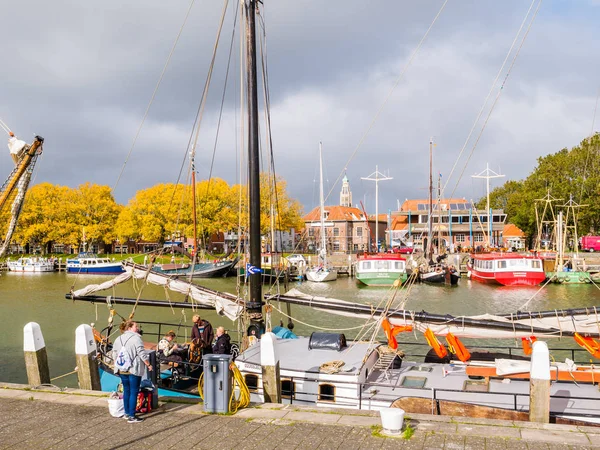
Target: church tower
(345, 195)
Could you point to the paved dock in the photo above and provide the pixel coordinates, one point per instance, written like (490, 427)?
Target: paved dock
(75, 419)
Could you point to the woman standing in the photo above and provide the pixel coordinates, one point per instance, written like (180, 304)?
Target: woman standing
(130, 357)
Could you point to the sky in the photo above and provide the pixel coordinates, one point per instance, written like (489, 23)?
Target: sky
(344, 73)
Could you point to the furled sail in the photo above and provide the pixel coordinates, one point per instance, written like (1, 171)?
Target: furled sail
(556, 323)
(12, 192)
(224, 303)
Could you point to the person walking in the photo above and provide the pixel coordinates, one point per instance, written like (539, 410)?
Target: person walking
(130, 357)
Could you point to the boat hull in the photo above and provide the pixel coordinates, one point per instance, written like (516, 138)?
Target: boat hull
(569, 277)
(520, 278)
(321, 276)
(381, 278)
(201, 270)
(31, 266)
(105, 270)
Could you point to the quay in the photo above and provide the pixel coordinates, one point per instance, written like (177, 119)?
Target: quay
(72, 418)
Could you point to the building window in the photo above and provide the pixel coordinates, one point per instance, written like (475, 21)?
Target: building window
(326, 393)
(478, 237)
(460, 237)
(336, 231)
(359, 231)
(251, 382)
(311, 232)
(355, 247)
(336, 246)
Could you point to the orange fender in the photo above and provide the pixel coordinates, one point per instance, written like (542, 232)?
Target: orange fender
(459, 349)
(391, 332)
(433, 342)
(589, 344)
(527, 343)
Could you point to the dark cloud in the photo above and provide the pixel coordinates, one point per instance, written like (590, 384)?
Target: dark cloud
(81, 75)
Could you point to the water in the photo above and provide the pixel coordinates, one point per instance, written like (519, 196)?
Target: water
(41, 298)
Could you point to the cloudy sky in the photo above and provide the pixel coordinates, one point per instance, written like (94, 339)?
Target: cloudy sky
(81, 75)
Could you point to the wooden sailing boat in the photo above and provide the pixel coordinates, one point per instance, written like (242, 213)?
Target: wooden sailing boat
(322, 272)
(12, 192)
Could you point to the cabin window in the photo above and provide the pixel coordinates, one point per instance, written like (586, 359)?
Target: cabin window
(413, 382)
(476, 386)
(421, 368)
(535, 264)
(251, 382)
(366, 265)
(288, 389)
(326, 393)
(382, 265)
(501, 264)
(398, 265)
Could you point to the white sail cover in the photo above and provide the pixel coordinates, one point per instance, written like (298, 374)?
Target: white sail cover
(223, 306)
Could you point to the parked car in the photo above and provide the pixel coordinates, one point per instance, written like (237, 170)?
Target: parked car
(403, 250)
(296, 259)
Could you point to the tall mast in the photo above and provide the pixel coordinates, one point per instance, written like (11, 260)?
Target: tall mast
(254, 306)
(322, 206)
(429, 250)
(489, 174)
(378, 177)
(194, 216)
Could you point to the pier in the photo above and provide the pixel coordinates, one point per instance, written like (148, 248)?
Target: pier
(30, 420)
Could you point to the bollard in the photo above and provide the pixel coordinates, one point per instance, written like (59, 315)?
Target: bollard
(36, 359)
(88, 374)
(269, 362)
(154, 377)
(539, 384)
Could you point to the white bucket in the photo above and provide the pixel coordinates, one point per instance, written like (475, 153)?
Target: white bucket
(392, 420)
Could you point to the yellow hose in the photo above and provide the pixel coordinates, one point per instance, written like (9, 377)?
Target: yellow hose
(239, 382)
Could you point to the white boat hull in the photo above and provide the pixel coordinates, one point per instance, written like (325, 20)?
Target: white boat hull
(321, 275)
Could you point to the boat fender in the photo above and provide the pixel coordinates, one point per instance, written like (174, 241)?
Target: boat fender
(433, 342)
(458, 348)
(589, 344)
(391, 332)
(527, 343)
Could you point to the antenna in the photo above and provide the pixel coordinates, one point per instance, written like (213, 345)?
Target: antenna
(489, 174)
(378, 177)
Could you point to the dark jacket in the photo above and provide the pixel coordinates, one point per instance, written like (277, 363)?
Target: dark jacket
(222, 345)
(202, 334)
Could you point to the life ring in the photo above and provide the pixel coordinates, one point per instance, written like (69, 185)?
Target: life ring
(391, 331)
(589, 344)
(458, 348)
(527, 343)
(433, 342)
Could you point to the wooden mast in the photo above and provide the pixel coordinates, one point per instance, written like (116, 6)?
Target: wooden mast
(254, 305)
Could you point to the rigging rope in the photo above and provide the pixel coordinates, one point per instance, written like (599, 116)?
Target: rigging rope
(498, 94)
(378, 113)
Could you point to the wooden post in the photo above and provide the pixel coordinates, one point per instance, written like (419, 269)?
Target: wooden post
(539, 383)
(36, 359)
(269, 361)
(85, 354)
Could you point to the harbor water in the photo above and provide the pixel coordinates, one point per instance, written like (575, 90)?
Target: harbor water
(41, 298)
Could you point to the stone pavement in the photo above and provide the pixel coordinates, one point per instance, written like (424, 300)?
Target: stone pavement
(79, 419)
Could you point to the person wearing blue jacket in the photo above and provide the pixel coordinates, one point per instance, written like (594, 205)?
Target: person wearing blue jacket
(129, 348)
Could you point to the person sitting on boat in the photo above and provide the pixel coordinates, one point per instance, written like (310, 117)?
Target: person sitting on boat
(202, 334)
(222, 345)
(169, 350)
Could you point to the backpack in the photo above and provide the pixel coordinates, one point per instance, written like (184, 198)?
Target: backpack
(122, 360)
(144, 402)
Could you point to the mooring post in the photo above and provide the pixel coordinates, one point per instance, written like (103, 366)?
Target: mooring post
(88, 374)
(269, 361)
(539, 383)
(36, 359)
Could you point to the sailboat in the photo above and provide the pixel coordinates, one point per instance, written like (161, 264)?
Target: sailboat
(12, 192)
(438, 271)
(325, 370)
(322, 272)
(212, 269)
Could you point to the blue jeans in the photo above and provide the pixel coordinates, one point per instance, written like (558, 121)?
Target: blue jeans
(131, 389)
